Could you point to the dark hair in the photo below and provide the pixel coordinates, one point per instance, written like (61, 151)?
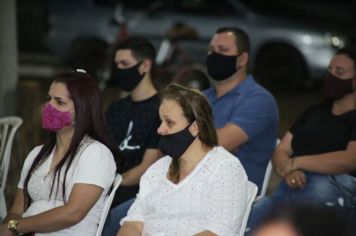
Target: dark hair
(195, 107)
(89, 120)
(140, 48)
(242, 40)
(308, 220)
(349, 52)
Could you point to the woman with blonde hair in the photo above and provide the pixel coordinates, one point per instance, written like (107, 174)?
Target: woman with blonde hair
(197, 188)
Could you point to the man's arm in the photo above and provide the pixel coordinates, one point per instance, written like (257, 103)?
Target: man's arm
(231, 137)
(133, 176)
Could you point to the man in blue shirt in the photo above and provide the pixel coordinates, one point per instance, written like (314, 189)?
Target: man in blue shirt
(245, 113)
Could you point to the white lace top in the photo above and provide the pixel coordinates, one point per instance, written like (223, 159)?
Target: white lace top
(212, 197)
(94, 164)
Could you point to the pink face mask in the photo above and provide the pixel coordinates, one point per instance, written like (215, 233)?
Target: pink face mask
(54, 120)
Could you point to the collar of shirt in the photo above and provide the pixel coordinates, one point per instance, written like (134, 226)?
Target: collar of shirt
(244, 86)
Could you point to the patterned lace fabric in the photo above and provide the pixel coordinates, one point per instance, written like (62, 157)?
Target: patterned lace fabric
(212, 197)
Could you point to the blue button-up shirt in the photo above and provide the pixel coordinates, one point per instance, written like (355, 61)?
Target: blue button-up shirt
(252, 108)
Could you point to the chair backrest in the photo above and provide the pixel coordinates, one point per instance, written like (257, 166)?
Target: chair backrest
(8, 128)
(107, 204)
(252, 191)
(267, 177)
(265, 180)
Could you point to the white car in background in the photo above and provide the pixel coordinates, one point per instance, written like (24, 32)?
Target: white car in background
(284, 48)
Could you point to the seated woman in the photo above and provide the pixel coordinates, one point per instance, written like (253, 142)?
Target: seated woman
(64, 182)
(317, 158)
(197, 188)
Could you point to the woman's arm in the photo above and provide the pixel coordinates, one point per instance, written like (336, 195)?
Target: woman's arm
(81, 200)
(17, 207)
(337, 162)
(282, 156)
(15, 213)
(131, 228)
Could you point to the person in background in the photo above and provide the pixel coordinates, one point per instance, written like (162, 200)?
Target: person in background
(77, 159)
(198, 188)
(133, 121)
(316, 158)
(245, 114)
(305, 221)
(192, 76)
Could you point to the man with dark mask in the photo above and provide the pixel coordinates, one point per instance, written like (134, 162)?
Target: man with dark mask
(245, 114)
(133, 120)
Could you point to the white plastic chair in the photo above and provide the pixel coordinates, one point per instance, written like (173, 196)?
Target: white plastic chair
(266, 180)
(107, 205)
(267, 177)
(8, 128)
(252, 191)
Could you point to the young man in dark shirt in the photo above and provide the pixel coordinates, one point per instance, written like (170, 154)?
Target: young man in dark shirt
(133, 120)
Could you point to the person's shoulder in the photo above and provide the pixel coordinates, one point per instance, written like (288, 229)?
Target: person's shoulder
(93, 144)
(153, 102)
(222, 160)
(258, 95)
(156, 171)
(209, 92)
(90, 147)
(156, 98)
(32, 154)
(36, 149)
(117, 104)
(260, 91)
(220, 155)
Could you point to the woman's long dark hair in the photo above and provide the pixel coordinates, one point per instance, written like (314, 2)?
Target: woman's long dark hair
(89, 120)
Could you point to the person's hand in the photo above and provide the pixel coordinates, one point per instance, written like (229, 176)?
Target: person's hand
(296, 179)
(285, 167)
(4, 231)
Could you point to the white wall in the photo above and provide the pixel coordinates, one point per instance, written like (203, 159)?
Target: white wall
(8, 57)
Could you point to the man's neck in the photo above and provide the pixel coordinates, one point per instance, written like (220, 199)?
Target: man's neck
(144, 90)
(227, 85)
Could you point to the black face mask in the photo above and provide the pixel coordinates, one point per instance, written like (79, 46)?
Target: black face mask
(335, 88)
(128, 79)
(176, 144)
(220, 67)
